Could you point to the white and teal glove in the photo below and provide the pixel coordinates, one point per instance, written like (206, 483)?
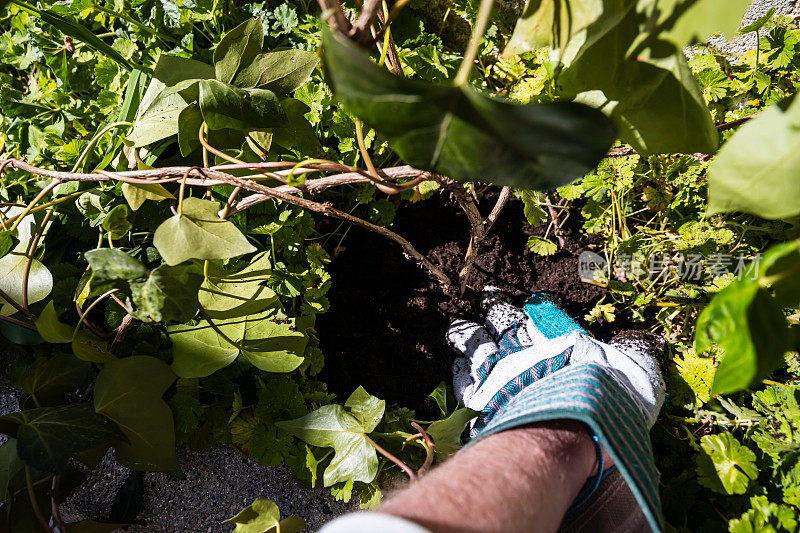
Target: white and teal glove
(536, 364)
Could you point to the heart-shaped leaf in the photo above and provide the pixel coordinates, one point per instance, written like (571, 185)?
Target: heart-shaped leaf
(346, 432)
(113, 269)
(199, 233)
(135, 193)
(12, 270)
(168, 293)
(129, 392)
(116, 222)
(267, 340)
(89, 347)
(49, 381)
(48, 436)
(50, 328)
(226, 106)
(446, 434)
(226, 294)
(8, 240)
(440, 127)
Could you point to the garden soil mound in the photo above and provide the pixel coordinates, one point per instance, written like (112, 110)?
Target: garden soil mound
(386, 325)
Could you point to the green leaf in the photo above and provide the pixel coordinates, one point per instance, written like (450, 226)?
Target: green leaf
(759, 23)
(299, 134)
(129, 392)
(725, 465)
(267, 340)
(169, 293)
(765, 516)
(171, 70)
(50, 381)
(749, 327)
(332, 426)
(756, 170)
(446, 433)
(189, 122)
(113, 268)
(10, 466)
(12, 269)
(8, 240)
(653, 96)
(281, 72)
(89, 347)
(199, 233)
(257, 517)
(48, 436)
(50, 328)
(135, 193)
(533, 211)
(436, 127)
(225, 294)
(134, 91)
(79, 32)
(225, 106)
(779, 268)
(551, 23)
(116, 222)
(542, 246)
(238, 47)
(698, 20)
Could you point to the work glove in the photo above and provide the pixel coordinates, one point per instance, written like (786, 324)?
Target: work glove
(537, 363)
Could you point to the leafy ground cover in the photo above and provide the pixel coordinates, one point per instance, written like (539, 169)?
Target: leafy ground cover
(156, 304)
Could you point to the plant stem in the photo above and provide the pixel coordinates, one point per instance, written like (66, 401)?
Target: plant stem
(91, 306)
(404, 467)
(484, 12)
(34, 502)
(31, 249)
(94, 141)
(16, 322)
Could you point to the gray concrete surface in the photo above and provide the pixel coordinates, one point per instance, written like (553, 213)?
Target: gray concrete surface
(739, 44)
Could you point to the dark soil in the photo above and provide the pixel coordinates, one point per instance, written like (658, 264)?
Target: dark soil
(386, 325)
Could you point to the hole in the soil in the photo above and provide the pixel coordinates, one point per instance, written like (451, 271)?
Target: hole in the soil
(386, 325)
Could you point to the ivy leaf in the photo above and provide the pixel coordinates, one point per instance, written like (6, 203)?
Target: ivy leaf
(48, 436)
(129, 392)
(12, 269)
(224, 106)
(49, 381)
(446, 433)
(750, 328)
(299, 133)
(369, 496)
(8, 240)
(135, 194)
(542, 246)
(436, 127)
(116, 222)
(263, 516)
(113, 268)
(168, 293)
(346, 432)
(756, 170)
(89, 347)
(198, 233)
(238, 47)
(225, 294)
(10, 466)
(50, 328)
(267, 340)
(725, 465)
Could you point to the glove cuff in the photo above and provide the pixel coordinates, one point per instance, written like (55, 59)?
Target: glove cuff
(591, 394)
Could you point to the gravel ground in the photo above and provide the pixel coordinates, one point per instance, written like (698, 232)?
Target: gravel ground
(216, 486)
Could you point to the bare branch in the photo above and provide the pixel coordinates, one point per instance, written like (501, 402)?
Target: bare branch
(335, 15)
(360, 29)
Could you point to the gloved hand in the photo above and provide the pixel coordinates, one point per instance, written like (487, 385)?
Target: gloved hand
(536, 363)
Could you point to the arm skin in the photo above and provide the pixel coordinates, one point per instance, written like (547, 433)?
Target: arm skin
(519, 480)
